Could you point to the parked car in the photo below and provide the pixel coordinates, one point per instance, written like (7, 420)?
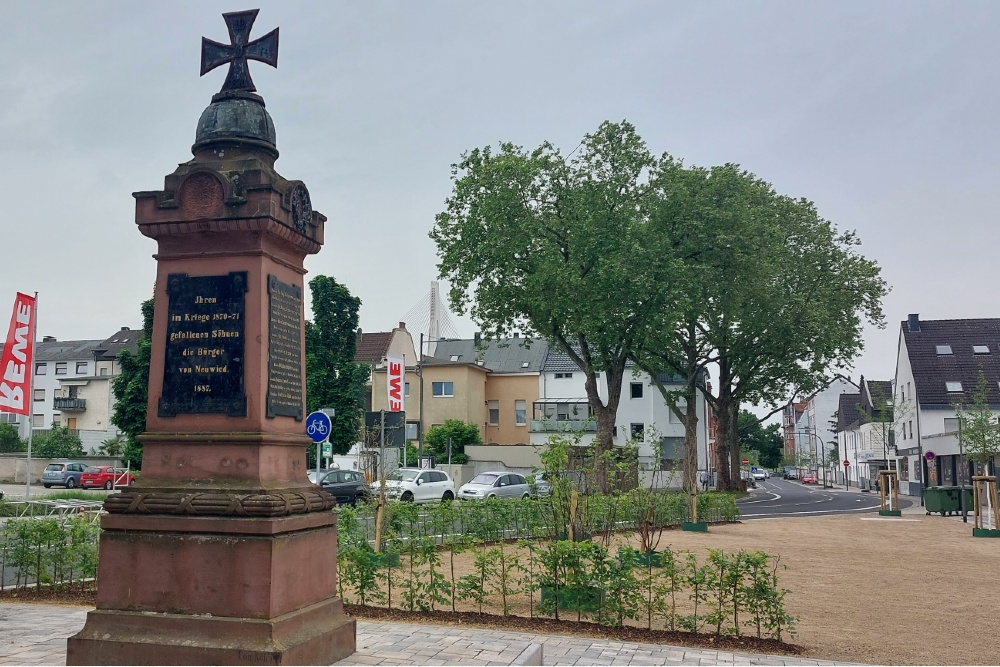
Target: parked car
(316, 475)
(808, 478)
(63, 474)
(490, 485)
(347, 486)
(790, 473)
(106, 477)
(759, 474)
(421, 486)
(543, 485)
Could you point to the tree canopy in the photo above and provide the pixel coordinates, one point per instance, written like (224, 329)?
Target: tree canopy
(58, 443)
(554, 245)
(978, 428)
(461, 434)
(765, 440)
(10, 440)
(333, 378)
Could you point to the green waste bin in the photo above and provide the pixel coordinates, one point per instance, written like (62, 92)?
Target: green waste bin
(954, 498)
(946, 499)
(933, 499)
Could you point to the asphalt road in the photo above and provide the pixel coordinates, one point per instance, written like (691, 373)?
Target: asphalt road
(777, 498)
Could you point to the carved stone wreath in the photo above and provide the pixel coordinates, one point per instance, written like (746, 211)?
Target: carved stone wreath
(301, 208)
(219, 504)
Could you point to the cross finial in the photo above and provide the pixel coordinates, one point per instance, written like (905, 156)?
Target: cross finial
(236, 54)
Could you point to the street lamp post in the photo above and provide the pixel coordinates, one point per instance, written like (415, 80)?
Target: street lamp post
(816, 450)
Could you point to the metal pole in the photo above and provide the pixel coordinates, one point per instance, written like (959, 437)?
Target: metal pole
(29, 400)
(381, 446)
(449, 455)
(961, 475)
(420, 377)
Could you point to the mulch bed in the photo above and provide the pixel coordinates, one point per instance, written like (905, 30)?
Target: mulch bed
(84, 597)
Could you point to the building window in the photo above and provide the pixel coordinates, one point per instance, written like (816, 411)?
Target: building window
(39, 394)
(41, 369)
(672, 416)
(904, 469)
(81, 367)
(494, 412)
(520, 413)
(980, 349)
(636, 389)
(564, 375)
(37, 421)
(61, 368)
(8, 418)
(951, 424)
(943, 349)
(454, 357)
(56, 421)
(953, 387)
(911, 429)
(637, 431)
(104, 371)
(443, 388)
(406, 389)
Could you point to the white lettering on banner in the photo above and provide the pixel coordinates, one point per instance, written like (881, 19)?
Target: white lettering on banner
(16, 360)
(395, 383)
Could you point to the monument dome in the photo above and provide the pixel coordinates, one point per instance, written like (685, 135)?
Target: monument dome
(236, 116)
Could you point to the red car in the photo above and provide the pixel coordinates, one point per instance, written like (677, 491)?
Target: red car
(106, 477)
(808, 478)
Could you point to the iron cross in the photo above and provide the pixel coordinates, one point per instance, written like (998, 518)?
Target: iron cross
(236, 54)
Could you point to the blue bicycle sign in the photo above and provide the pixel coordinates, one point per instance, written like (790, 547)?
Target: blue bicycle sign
(318, 426)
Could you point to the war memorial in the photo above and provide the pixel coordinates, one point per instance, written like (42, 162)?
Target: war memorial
(213, 556)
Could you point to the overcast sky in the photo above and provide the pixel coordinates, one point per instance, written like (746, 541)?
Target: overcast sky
(883, 113)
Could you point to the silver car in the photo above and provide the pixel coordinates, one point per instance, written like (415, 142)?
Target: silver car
(491, 485)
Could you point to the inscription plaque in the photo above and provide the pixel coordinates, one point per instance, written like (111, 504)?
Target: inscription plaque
(284, 350)
(203, 364)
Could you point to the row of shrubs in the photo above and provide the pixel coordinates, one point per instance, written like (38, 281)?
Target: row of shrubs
(542, 517)
(61, 551)
(722, 594)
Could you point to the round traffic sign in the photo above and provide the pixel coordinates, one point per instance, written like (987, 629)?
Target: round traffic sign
(318, 426)
(746, 462)
(929, 455)
(847, 464)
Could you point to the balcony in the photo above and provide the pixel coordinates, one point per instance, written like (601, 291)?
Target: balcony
(69, 404)
(563, 426)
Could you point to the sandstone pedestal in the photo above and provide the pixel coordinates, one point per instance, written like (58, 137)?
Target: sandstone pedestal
(223, 552)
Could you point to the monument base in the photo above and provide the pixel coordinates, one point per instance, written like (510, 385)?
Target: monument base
(317, 635)
(694, 527)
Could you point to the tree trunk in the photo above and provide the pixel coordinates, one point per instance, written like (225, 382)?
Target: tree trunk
(691, 442)
(606, 414)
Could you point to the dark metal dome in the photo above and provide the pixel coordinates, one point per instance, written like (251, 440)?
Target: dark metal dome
(236, 116)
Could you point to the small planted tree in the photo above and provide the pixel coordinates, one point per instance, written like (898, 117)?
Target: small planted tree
(979, 437)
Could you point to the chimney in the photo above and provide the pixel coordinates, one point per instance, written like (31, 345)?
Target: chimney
(517, 334)
(359, 333)
(125, 328)
(48, 339)
(477, 338)
(913, 322)
(402, 325)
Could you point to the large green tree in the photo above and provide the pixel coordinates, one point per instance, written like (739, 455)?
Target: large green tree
(978, 429)
(765, 440)
(58, 443)
(556, 246)
(131, 389)
(333, 378)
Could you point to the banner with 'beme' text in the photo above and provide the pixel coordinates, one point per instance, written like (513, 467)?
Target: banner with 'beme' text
(15, 364)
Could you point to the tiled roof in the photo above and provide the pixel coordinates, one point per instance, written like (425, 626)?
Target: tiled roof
(123, 339)
(557, 361)
(932, 370)
(511, 355)
(66, 350)
(372, 347)
(848, 414)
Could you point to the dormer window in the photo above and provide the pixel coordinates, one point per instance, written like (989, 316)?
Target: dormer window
(953, 387)
(944, 349)
(980, 349)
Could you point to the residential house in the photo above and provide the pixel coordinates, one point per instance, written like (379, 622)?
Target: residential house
(864, 433)
(938, 363)
(793, 428)
(815, 430)
(373, 349)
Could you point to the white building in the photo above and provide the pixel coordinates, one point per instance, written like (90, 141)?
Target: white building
(938, 363)
(643, 415)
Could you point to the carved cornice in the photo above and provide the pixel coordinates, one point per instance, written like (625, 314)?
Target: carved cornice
(219, 503)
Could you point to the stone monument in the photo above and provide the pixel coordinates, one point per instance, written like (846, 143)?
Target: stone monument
(223, 552)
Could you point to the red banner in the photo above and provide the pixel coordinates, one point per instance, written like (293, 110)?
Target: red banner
(15, 365)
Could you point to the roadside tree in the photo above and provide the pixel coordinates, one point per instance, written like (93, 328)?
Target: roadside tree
(557, 246)
(131, 389)
(461, 434)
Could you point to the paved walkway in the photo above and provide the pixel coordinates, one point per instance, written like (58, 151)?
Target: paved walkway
(35, 634)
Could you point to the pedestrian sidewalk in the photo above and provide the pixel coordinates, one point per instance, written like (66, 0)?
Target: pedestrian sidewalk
(35, 634)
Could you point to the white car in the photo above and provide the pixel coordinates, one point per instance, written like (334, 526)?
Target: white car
(419, 486)
(759, 474)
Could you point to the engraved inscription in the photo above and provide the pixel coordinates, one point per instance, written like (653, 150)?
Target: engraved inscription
(284, 360)
(203, 362)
